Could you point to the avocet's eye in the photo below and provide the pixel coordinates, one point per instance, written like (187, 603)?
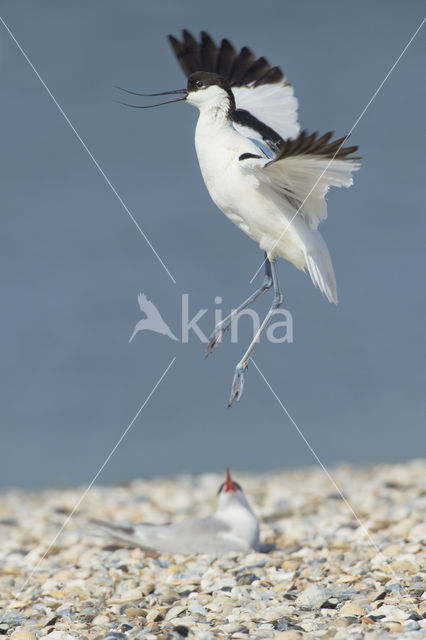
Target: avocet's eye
(199, 84)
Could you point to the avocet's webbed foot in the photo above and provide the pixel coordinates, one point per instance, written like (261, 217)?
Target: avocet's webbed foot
(215, 339)
(237, 384)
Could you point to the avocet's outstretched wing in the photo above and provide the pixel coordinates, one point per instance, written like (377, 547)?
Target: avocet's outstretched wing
(266, 106)
(303, 171)
(300, 175)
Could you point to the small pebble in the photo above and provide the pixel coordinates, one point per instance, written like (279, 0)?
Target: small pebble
(352, 609)
(412, 626)
(312, 597)
(246, 578)
(174, 612)
(291, 634)
(100, 619)
(342, 622)
(132, 612)
(23, 634)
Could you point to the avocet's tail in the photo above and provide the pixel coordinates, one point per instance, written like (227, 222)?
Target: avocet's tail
(318, 262)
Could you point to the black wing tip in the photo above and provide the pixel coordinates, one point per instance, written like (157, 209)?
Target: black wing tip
(111, 527)
(227, 43)
(239, 69)
(206, 36)
(311, 144)
(187, 35)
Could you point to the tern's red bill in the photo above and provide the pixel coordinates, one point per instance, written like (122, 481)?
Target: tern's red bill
(229, 485)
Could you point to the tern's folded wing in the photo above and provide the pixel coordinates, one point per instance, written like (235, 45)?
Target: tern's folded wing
(194, 535)
(129, 534)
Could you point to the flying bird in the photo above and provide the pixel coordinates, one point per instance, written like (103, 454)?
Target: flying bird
(265, 174)
(232, 527)
(153, 320)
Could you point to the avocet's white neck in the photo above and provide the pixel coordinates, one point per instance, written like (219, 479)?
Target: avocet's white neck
(216, 144)
(216, 114)
(214, 103)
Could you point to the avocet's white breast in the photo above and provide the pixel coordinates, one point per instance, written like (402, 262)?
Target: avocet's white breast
(213, 97)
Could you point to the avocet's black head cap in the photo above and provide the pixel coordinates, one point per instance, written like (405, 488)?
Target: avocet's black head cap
(203, 79)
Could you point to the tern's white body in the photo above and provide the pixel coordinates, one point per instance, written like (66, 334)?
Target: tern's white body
(232, 527)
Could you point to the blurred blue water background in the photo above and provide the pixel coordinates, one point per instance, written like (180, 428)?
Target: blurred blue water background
(72, 262)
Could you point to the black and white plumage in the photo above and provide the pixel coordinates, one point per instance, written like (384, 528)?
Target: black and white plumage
(263, 173)
(266, 109)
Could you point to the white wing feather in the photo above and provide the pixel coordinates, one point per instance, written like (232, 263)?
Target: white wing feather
(303, 181)
(306, 179)
(274, 104)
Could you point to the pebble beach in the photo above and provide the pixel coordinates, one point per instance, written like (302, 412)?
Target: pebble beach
(324, 573)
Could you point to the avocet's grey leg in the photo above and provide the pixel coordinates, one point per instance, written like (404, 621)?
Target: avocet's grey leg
(238, 382)
(217, 335)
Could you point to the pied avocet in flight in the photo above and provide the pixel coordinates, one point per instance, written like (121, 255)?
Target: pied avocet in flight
(265, 174)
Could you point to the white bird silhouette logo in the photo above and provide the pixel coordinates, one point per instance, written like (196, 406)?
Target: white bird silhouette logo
(153, 320)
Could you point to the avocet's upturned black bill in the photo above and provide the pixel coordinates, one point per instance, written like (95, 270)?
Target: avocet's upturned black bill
(265, 174)
(151, 95)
